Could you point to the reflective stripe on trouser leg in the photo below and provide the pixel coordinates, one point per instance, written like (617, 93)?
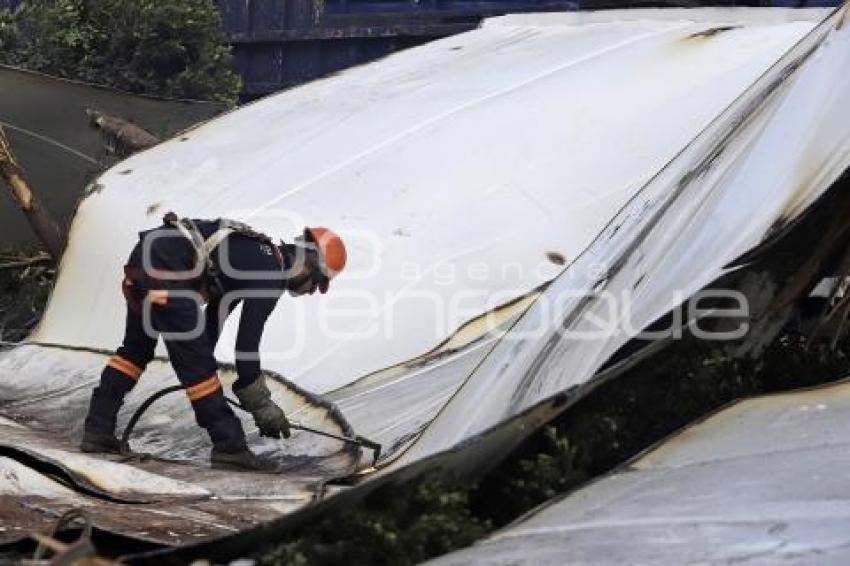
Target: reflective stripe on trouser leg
(213, 413)
(125, 366)
(120, 375)
(206, 387)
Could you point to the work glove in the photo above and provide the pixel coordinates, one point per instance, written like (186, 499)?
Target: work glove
(269, 418)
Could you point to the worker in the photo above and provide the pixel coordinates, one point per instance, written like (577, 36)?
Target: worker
(226, 263)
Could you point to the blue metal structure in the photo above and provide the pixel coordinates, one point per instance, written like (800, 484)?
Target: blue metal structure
(282, 43)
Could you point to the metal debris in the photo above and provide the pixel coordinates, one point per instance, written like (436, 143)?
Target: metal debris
(760, 481)
(511, 90)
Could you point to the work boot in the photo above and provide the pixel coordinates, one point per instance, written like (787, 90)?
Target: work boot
(242, 459)
(269, 418)
(106, 400)
(99, 442)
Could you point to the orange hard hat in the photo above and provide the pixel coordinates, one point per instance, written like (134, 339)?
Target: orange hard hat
(331, 250)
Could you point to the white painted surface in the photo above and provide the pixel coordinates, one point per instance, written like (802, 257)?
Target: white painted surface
(759, 165)
(485, 149)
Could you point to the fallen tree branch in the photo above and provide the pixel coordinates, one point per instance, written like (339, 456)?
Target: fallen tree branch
(128, 138)
(26, 262)
(45, 228)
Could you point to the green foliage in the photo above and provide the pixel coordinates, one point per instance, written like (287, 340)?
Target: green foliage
(8, 31)
(173, 48)
(395, 525)
(551, 467)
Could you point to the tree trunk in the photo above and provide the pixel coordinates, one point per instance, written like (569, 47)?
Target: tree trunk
(45, 228)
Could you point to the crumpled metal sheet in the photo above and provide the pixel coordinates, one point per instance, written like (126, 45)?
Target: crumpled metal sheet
(46, 120)
(522, 122)
(394, 405)
(508, 91)
(49, 388)
(753, 172)
(174, 497)
(760, 482)
(170, 511)
(44, 422)
(755, 169)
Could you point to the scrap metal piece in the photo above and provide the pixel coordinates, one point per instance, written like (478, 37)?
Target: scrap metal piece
(760, 481)
(745, 179)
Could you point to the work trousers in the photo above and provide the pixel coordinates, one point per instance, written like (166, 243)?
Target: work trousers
(180, 322)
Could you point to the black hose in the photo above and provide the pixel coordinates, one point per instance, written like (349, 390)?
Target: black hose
(128, 430)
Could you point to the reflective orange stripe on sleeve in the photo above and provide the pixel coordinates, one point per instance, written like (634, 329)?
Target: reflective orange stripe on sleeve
(125, 366)
(158, 296)
(204, 388)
